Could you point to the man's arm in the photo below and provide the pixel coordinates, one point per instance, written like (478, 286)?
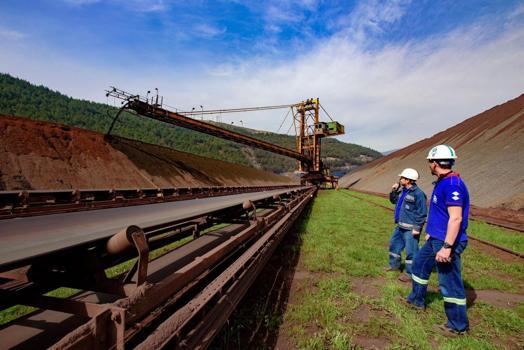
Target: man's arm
(455, 219)
(394, 194)
(421, 211)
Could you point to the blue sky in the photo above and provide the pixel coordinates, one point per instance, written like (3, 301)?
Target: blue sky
(392, 71)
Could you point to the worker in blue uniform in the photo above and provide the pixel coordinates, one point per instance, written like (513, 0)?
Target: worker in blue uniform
(446, 239)
(410, 215)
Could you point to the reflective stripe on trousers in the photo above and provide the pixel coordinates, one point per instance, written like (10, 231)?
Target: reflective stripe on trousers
(419, 280)
(401, 239)
(455, 301)
(450, 282)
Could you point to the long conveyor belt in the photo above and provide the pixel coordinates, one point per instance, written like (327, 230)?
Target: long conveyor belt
(22, 239)
(72, 250)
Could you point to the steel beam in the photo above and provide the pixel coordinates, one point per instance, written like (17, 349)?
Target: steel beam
(158, 113)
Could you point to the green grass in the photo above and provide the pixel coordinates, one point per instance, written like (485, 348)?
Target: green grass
(498, 235)
(344, 244)
(373, 198)
(476, 228)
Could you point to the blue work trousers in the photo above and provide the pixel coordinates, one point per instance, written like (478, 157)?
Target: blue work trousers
(449, 279)
(402, 238)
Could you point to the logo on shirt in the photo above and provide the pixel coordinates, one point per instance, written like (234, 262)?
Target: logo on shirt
(455, 196)
(434, 199)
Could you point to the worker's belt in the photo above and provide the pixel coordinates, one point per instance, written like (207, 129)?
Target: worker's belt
(406, 226)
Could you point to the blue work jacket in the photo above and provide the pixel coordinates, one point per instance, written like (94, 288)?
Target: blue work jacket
(413, 209)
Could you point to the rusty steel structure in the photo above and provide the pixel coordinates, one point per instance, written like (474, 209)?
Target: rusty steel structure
(309, 130)
(154, 110)
(42, 202)
(167, 297)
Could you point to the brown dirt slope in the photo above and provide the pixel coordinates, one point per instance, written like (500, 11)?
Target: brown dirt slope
(42, 155)
(490, 147)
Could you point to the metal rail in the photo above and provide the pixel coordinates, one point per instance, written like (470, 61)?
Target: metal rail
(234, 110)
(158, 113)
(31, 237)
(197, 285)
(181, 331)
(520, 255)
(43, 202)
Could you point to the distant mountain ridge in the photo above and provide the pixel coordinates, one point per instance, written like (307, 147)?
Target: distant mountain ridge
(490, 149)
(21, 98)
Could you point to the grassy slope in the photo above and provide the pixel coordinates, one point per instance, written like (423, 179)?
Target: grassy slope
(344, 242)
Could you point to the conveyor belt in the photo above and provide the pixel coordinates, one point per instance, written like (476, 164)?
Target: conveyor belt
(22, 239)
(124, 311)
(46, 327)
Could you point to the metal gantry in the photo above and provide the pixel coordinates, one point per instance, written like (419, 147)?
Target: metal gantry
(306, 119)
(309, 133)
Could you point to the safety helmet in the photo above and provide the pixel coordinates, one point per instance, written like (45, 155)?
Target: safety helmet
(410, 174)
(442, 152)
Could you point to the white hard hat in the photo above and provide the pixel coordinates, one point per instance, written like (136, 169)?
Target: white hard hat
(409, 173)
(442, 152)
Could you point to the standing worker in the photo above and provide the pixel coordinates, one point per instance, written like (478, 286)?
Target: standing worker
(446, 239)
(410, 214)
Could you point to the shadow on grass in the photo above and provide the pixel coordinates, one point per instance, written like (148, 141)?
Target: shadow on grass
(257, 320)
(471, 295)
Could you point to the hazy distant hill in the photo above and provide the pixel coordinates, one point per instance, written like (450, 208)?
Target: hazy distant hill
(20, 98)
(490, 149)
(385, 153)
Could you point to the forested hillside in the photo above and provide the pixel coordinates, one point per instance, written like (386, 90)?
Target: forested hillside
(20, 98)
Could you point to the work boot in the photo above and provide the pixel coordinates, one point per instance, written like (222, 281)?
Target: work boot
(405, 279)
(449, 332)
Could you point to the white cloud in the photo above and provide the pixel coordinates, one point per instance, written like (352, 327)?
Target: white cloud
(371, 17)
(277, 13)
(207, 30)
(148, 5)
(519, 11)
(387, 98)
(273, 28)
(9, 34)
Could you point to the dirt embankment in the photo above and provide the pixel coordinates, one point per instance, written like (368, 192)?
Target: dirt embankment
(41, 155)
(490, 147)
